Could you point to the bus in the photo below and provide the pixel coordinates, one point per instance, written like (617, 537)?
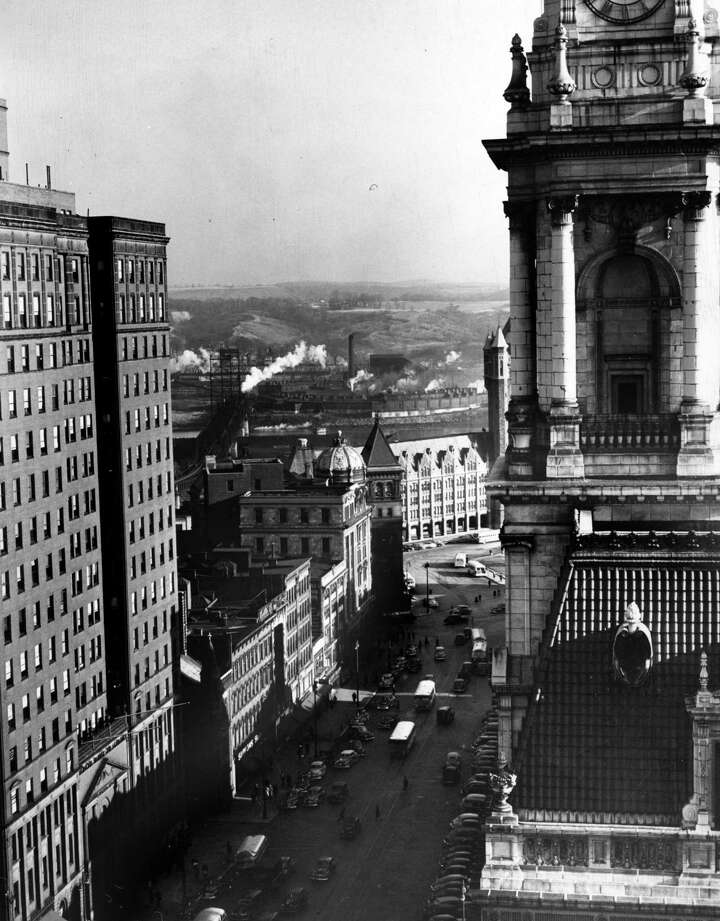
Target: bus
(476, 568)
(425, 694)
(402, 739)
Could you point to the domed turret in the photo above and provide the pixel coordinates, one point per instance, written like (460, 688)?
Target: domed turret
(340, 464)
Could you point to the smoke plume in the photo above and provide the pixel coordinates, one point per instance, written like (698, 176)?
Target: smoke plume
(451, 357)
(180, 316)
(437, 383)
(315, 354)
(362, 376)
(191, 361)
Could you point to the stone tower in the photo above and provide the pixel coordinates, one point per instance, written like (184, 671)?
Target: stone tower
(497, 385)
(611, 477)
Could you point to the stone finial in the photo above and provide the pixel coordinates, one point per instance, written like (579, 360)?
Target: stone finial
(517, 92)
(562, 84)
(695, 77)
(704, 677)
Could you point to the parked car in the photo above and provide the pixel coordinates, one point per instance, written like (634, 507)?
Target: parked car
(475, 786)
(360, 733)
(476, 802)
(338, 792)
(318, 769)
(314, 796)
(445, 715)
(383, 702)
(466, 820)
(452, 618)
(295, 901)
(350, 827)
(466, 670)
(386, 682)
(440, 654)
(498, 609)
(410, 650)
(451, 768)
(460, 685)
(463, 610)
(324, 868)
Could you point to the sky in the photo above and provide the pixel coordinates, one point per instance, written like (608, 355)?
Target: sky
(279, 140)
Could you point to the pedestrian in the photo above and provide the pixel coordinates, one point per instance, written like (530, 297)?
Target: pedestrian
(377, 812)
(406, 784)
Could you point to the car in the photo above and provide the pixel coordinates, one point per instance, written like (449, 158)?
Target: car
(383, 702)
(350, 828)
(451, 769)
(318, 769)
(445, 715)
(399, 664)
(463, 610)
(410, 650)
(464, 820)
(474, 786)
(452, 618)
(407, 546)
(296, 900)
(338, 792)
(386, 682)
(293, 799)
(460, 685)
(460, 639)
(324, 868)
(466, 670)
(453, 759)
(346, 758)
(314, 796)
(440, 654)
(360, 733)
(387, 722)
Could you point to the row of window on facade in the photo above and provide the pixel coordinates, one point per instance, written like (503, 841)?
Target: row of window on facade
(132, 387)
(45, 438)
(137, 530)
(146, 451)
(155, 697)
(40, 267)
(149, 268)
(23, 314)
(29, 494)
(148, 561)
(43, 785)
(47, 356)
(151, 666)
(135, 347)
(21, 671)
(262, 545)
(140, 310)
(152, 593)
(281, 515)
(28, 575)
(140, 418)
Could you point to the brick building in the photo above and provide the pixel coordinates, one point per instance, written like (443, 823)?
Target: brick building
(611, 479)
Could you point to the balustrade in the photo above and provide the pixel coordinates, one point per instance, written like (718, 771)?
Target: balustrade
(658, 431)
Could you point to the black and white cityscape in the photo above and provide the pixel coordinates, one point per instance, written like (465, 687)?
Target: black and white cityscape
(393, 595)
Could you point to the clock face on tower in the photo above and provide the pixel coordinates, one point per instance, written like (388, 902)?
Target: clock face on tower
(624, 10)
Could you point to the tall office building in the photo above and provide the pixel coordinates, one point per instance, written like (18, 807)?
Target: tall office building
(609, 712)
(131, 333)
(87, 579)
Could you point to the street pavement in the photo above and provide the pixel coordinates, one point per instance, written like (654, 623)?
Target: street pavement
(385, 872)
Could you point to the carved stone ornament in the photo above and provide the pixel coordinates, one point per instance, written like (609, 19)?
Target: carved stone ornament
(502, 784)
(521, 215)
(695, 203)
(561, 207)
(696, 76)
(517, 92)
(562, 84)
(632, 650)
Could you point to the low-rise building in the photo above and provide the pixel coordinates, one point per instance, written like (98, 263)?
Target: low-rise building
(443, 487)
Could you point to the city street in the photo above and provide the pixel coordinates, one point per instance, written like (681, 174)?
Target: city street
(385, 872)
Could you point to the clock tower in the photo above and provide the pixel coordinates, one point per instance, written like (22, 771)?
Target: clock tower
(608, 724)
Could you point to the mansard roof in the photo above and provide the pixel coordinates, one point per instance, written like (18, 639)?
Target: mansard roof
(594, 746)
(428, 456)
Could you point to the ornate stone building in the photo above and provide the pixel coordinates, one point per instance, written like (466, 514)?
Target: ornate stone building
(611, 480)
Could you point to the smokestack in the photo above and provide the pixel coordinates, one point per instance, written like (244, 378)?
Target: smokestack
(27, 174)
(49, 179)
(351, 355)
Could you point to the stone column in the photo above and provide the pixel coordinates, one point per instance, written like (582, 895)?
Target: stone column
(564, 459)
(697, 455)
(703, 707)
(522, 410)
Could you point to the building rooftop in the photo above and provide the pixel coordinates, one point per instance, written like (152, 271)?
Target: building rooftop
(599, 746)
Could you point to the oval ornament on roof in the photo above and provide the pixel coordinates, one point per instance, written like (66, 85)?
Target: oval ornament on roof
(632, 653)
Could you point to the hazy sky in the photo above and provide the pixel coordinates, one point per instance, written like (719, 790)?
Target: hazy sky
(277, 139)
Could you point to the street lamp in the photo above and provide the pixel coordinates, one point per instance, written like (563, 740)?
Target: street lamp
(357, 674)
(315, 716)
(427, 585)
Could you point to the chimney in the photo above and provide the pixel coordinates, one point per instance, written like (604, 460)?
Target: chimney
(49, 177)
(351, 355)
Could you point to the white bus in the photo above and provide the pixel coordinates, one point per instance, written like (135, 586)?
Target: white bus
(460, 560)
(402, 739)
(476, 568)
(425, 694)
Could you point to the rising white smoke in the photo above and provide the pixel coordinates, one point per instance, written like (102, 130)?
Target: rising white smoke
(282, 427)
(403, 384)
(180, 316)
(362, 376)
(315, 354)
(451, 357)
(437, 383)
(189, 360)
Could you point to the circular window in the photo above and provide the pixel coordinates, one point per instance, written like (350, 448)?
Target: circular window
(649, 74)
(603, 77)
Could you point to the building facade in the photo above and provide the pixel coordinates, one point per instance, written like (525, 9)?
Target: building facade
(611, 478)
(443, 487)
(384, 477)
